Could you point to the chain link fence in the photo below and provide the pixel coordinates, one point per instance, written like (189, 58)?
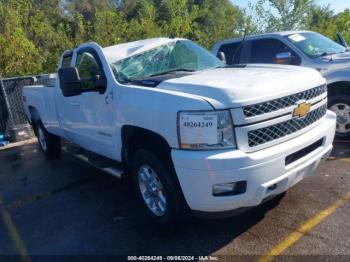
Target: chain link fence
(13, 122)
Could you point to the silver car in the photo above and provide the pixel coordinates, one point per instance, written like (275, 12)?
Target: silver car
(302, 48)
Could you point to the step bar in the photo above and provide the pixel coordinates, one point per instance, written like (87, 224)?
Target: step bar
(112, 170)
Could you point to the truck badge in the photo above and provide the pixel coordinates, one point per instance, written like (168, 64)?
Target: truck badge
(302, 109)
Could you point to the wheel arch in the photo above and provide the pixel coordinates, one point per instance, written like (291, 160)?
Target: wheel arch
(34, 114)
(339, 87)
(34, 117)
(339, 103)
(134, 137)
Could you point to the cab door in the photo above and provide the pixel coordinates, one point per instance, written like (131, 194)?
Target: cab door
(67, 106)
(92, 116)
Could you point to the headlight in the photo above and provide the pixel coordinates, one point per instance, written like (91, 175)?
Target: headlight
(205, 130)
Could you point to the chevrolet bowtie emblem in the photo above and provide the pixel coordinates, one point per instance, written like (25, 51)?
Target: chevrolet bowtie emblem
(301, 110)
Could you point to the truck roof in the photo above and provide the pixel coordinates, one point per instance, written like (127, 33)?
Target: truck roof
(282, 33)
(118, 52)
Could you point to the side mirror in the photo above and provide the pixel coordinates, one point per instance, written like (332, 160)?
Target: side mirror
(69, 81)
(284, 58)
(221, 56)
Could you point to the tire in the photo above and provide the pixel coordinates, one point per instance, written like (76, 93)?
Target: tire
(340, 104)
(170, 207)
(49, 144)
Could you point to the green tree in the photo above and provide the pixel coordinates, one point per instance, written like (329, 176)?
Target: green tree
(217, 20)
(131, 8)
(18, 55)
(177, 17)
(321, 20)
(145, 23)
(87, 8)
(281, 15)
(108, 27)
(49, 30)
(342, 22)
(34, 33)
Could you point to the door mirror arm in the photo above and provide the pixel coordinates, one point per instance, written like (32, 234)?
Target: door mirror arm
(100, 83)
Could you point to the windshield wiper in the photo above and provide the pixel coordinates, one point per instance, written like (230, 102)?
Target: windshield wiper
(233, 66)
(326, 53)
(140, 79)
(173, 71)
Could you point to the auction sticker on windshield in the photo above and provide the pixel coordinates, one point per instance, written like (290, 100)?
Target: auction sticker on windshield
(198, 129)
(296, 38)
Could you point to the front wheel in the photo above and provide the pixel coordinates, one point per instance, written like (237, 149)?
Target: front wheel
(340, 104)
(49, 144)
(156, 189)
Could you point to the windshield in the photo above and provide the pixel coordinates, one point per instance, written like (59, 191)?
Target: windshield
(315, 45)
(182, 55)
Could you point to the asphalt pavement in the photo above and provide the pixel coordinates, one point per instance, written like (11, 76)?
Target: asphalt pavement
(67, 207)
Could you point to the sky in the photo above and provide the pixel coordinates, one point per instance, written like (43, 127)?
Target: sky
(336, 5)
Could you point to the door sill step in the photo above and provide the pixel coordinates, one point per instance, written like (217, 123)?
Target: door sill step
(84, 155)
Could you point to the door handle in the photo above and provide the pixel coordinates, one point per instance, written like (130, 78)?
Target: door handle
(74, 103)
(109, 97)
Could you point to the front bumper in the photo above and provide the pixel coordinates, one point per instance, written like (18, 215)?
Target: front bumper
(198, 171)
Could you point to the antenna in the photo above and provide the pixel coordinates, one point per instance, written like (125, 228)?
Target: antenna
(240, 44)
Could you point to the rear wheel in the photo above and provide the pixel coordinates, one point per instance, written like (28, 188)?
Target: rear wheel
(340, 104)
(156, 189)
(49, 144)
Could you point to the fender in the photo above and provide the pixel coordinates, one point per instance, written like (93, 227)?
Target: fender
(342, 75)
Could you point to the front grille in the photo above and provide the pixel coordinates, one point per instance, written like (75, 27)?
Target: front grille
(267, 134)
(284, 102)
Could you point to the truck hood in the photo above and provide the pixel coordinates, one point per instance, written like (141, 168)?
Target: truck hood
(342, 56)
(245, 85)
(333, 64)
(336, 58)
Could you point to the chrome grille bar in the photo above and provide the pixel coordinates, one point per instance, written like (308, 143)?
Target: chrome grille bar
(284, 102)
(264, 135)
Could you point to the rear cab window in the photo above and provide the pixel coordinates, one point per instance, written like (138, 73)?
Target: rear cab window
(66, 60)
(231, 53)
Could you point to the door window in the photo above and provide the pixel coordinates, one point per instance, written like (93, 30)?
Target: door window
(89, 70)
(265, 51)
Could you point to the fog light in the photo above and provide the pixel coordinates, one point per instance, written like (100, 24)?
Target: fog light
(229, 189)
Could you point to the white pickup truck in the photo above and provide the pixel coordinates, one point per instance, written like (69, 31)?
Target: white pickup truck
(192, 133)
